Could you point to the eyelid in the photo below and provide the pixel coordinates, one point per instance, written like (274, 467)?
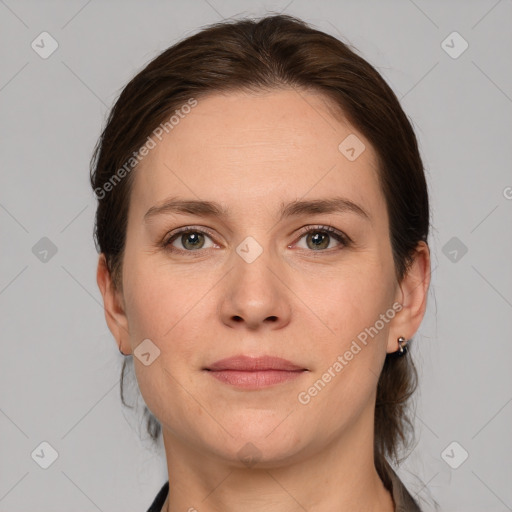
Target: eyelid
(341, 237)
(344, 239)
(186, 229)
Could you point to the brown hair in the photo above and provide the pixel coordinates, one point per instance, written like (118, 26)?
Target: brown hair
(274, 52)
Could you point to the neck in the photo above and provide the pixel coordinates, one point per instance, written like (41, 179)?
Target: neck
(341, 476)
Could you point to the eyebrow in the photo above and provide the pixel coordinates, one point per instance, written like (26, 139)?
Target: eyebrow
(295, 208)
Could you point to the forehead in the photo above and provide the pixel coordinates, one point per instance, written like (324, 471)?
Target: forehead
(247, 147)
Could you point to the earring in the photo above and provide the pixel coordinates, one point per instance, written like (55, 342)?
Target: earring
(402, 344)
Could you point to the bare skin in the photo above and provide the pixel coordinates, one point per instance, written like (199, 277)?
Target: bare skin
(204, 302)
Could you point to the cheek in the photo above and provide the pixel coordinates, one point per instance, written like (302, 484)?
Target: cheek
(349, 298)
(350, 357)
(156, 298)
(176, 310)
(349, 361)
(160, 308)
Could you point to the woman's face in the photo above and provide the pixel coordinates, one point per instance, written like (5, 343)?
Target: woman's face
(252, 282)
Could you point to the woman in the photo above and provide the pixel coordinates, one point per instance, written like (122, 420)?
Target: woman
(262, 225)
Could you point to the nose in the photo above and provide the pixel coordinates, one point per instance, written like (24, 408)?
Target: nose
(254, 295)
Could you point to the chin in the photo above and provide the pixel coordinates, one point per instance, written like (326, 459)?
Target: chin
(258, 446)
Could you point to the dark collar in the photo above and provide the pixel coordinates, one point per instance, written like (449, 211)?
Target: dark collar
(404, 502)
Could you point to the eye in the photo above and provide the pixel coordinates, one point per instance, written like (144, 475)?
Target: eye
(190, 239)
(318, 238)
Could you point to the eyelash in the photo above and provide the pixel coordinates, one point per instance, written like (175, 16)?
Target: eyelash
(337, 235)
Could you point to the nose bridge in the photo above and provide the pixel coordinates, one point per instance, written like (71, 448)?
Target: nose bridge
(254, 293)
(251, 273)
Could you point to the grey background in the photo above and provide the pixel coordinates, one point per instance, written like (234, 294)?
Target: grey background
(59, 365)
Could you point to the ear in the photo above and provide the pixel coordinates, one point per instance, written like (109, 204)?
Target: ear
(113, 306)
(412, 295)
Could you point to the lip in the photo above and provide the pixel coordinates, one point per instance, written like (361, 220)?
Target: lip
(253, 373)
(248, 364)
